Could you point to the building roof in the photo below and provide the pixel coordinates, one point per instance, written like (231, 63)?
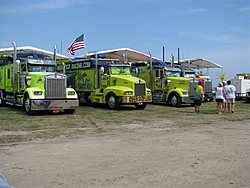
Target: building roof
(198, 63)
(131, 55)
(5, 51)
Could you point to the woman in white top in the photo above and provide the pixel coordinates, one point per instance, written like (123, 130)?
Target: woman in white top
(220, 96)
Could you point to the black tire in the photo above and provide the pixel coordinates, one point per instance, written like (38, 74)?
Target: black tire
(85, 97)
(27, 105)
(141, 107)
(247, 100)
(175, 100)
(69, 111)
(112, 101)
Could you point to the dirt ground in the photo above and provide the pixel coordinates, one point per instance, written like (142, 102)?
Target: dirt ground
(214, 155)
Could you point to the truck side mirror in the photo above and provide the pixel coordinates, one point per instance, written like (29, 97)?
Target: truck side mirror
(168, 82)
(136, 72)
(63, 68)
(102, 70)
(28, 78)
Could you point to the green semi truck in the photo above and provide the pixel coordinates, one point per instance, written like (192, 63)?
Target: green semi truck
(30, 80)
(102, 80)
(166, 82)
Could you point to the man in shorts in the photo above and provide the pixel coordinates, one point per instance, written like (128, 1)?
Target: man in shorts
(224, 105)
(230, 96)
(198, 95)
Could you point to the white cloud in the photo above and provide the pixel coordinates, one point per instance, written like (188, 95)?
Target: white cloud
(196, 10)
(244, 9)
(229, 38)
(5, 43)
(21, 6)
(160, 39)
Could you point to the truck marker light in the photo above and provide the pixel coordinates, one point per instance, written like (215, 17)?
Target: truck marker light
(127, 93)
(38, 92)
(55, 111)
(71, 92)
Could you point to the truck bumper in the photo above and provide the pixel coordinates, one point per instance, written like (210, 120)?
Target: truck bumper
(209, 96)
(186, 99)
(54, 104)
(137, 99)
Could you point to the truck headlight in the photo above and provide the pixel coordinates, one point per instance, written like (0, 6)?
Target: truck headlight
(148, 92)
(71, 92)
(184, 92)
(38, 92)
(127, 93)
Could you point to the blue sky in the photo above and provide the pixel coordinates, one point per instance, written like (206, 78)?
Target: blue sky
(216, 30)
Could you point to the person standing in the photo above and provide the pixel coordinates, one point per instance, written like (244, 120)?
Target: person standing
(219, 95)
(224, 105)
(198, 95)
(230, 96)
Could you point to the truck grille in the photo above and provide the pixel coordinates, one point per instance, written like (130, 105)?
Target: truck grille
(140, 89)
(192, 85)
(208, 87)
(55, 86)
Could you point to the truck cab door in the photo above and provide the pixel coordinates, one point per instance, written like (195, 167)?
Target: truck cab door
(104, 77)
(9, 78)
(160, 80)
(157, 80)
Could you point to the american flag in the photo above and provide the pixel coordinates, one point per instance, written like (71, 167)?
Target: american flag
(77, 44)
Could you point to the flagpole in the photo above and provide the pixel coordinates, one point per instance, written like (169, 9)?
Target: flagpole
(61, 49)
(85, 45)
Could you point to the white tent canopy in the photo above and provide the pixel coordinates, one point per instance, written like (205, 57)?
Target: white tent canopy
(198, 63)
(5, 51)
(131, 55)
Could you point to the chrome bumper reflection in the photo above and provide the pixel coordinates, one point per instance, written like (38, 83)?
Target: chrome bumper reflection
(186, 99)
(54, 104)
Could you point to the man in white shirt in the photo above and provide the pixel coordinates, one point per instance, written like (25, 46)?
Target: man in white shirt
(230, 96)
(224, 105)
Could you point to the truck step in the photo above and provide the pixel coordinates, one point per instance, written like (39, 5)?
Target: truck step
(12, 104)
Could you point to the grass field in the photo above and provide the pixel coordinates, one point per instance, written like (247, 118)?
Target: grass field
(16, 126)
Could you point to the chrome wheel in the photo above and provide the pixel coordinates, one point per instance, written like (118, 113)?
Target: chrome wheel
(112, 101)
(27, 105)
(175, 100)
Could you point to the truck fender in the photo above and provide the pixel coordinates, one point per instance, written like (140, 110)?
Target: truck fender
(174, 99)
(27, 92)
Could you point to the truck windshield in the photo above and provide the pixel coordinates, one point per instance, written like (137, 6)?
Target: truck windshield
(173, 73)
(41, 68)
(116, 70)
(189, 75)
(33, 56)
